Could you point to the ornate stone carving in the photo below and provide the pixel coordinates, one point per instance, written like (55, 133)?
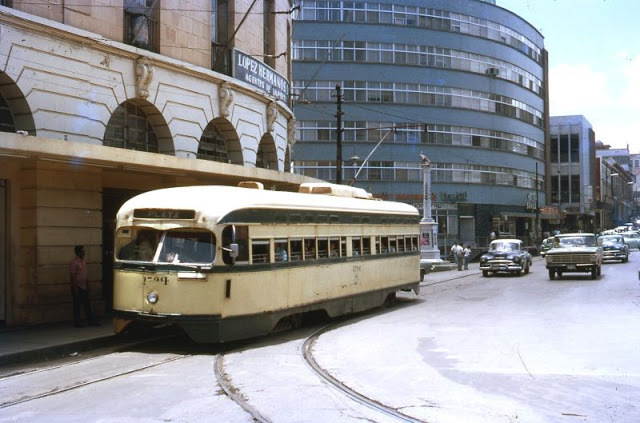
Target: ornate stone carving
(144, 75)
(226, 99)
(291, 131)
(272, 114)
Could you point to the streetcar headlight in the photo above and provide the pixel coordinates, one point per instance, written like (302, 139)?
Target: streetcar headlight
(152, 297)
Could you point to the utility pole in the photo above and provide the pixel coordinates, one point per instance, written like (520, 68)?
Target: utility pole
(339, 135)
(537, 235)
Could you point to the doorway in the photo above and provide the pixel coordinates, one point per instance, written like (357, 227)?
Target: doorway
(3, 252)
(112, 200)
(467, 230)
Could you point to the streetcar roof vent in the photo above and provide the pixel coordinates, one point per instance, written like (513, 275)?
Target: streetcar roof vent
(251, 184)
(335, 190)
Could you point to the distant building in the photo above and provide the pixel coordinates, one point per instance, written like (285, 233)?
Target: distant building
(462, 81)
(617, 174)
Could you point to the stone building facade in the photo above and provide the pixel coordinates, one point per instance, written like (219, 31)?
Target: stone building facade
(100, 100)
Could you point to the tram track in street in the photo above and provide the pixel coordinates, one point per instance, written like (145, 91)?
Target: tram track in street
(19, 397)
(307, 352)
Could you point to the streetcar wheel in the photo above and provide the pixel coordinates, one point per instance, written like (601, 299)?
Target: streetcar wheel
(552, 274)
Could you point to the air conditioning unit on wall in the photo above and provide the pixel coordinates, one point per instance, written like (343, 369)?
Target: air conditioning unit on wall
(493, 72)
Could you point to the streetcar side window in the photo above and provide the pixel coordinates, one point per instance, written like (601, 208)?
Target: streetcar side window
(334, 247)
(281, 250)
(309, 248)
(343, 246)
(356, 246)
(323, 247)
(366, 245)
(296, 249)
(415, 246)
(260, 251)
(393, 244)
(241, 238)
(400, 243)
(384, 245)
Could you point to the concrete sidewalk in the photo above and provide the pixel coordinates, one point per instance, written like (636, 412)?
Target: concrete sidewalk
(48, 341)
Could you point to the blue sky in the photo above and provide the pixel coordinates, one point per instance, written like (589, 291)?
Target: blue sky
(594, 62)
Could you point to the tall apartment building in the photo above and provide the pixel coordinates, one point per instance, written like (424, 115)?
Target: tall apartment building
(100, 100)
(462, 81)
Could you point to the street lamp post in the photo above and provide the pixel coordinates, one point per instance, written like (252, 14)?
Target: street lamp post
(429, 252)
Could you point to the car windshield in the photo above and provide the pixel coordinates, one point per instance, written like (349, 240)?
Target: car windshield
(504, 246)
(609, 239)
(574, 241)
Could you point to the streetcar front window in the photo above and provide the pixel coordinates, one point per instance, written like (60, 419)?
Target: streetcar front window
(142, 248)
(173, 246)
(180, 246)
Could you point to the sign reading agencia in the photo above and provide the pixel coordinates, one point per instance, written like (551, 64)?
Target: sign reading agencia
(259, 75)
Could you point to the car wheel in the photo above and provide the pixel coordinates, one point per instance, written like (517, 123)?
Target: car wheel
(485, 273)
(552, 274)
(526, 269)
(559, 273)
(594, 272)
(599, 270)
(421, 275)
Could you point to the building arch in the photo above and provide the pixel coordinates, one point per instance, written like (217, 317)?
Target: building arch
(220, 143)
(15, 113)
(138, 125)
(267, 155)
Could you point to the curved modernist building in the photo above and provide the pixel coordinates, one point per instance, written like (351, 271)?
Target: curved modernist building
(100, 100)
(462, 81)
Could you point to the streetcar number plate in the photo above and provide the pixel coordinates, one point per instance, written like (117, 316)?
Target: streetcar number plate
(155, 279)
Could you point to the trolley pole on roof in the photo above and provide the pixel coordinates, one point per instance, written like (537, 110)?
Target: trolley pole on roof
(339, 114)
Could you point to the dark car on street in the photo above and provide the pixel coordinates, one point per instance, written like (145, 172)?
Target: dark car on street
(506, 255)
(614, 248)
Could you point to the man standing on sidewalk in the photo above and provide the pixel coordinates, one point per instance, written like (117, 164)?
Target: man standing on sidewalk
(78, 277)
(459, 255)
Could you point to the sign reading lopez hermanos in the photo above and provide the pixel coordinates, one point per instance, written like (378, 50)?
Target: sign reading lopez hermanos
(261, 76)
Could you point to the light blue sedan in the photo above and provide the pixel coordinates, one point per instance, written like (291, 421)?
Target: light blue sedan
(632, 239)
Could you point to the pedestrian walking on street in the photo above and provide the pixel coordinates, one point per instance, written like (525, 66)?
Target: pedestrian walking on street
(459, 255)
(78, 277)
(467, 254)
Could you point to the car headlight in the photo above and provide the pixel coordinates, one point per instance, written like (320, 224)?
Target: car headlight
(484, 259)
(516, 259)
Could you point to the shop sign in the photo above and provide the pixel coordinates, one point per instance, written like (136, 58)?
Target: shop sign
(259, 75)
(456, 197)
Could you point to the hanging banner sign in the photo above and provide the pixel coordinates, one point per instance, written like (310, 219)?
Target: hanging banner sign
(259, 75)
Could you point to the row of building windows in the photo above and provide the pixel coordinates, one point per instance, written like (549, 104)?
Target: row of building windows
(314, 131)
(419, 94)
(565, 189)
(565, 148)
(412, 171)
(414, 16)
(414, 55)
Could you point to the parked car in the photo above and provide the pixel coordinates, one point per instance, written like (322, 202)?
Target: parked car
(577, 252)
(506, 255)
(614, 248)
(546, 244)
(632, 239)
